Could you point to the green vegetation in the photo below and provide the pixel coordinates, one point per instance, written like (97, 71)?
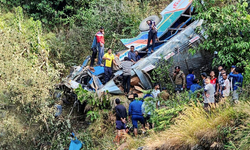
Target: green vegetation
(76, 22)
(26, 84)
(37, 45)
(227, 29)
(196, 126)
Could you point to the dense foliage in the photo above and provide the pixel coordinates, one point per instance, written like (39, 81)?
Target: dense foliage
(227, 27)
(27, 80)
(51, 13)
(76, 22)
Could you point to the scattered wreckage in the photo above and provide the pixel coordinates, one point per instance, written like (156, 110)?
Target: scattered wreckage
(175, 41)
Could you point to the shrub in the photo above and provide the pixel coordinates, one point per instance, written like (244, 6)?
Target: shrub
(27, 80)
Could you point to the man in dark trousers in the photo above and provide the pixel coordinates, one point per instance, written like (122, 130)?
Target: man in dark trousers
(100, 45)
(179, 79)
(135, 113)
(121, 116)
(152, 34)
(237, 83)
(109, 59)
(126, 68)
(94, 51)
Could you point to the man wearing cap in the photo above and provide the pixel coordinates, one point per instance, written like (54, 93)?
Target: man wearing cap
(135, 113)
(109, 59)
(121, 116)
(100, 45)
(179, 79)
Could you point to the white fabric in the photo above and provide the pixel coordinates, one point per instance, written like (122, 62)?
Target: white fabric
(226, 92)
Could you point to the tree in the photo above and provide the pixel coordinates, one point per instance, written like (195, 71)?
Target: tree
(227, 27)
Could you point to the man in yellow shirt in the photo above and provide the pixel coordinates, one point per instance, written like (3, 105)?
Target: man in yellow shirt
(109, 59)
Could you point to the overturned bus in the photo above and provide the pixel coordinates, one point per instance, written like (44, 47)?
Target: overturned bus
(176, 32)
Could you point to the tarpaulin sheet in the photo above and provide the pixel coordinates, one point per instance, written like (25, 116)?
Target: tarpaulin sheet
(98, 70)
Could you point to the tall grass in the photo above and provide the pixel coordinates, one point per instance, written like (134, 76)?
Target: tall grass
(197, 126)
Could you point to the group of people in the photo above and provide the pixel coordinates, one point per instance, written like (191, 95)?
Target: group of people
(215, 88)
(113, 63)
(136, 112)
(212, 88)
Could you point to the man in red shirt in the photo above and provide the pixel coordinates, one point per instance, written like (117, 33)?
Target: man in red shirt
(213, 80)
(100, 45)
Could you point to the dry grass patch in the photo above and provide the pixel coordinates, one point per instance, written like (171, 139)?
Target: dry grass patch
(193, 126)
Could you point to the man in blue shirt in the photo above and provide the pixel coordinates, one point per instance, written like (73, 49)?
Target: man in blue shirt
(137, 56)
(135, 113)
(131, 54)
(237, 83)
(190, 78)
(195, 86)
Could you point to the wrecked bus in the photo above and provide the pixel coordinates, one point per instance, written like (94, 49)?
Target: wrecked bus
(177, 35)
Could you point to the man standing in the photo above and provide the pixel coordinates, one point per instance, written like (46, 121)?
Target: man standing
(94, 51)
(190, 78)
(220, 68)
(144, 107)
(137, 56)
(203, 76)
(152, 34)
(156, 90)
(226, 87)
(237, 83)
(109, 57)
(209, 93)
(117, 61)
(231, 78)
(155, 93)
(100, 45)
(135, 113)
(179, 79)
(126, 68)
(213, 80)
(121, 115)
(220, 80)
(131, 54)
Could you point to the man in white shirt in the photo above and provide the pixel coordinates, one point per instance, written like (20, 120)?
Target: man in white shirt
(155, 92)
(209, 94)
(226, 86)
